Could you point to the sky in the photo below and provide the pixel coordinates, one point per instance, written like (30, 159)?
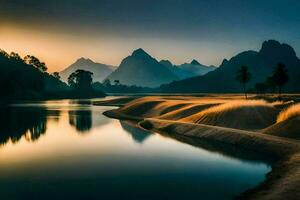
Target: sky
(106, 31)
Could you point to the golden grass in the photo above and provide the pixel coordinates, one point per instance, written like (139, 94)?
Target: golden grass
(291, 112)
(242, 114)
(237, 104)
(289, 128)
(160, 106)
(288, 123)
(185, 111)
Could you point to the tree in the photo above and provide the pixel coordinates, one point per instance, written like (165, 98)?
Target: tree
(3, 53)
(31, 60)
(56, 75)
(81, 79)
(15, 57)
(280, 77)
(243, 76)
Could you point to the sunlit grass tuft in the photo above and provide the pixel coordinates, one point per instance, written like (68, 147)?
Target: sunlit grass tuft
(242, 114)
(236, 104)
(290, 112)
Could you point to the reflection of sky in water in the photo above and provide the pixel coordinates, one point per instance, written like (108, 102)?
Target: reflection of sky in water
(84, 154)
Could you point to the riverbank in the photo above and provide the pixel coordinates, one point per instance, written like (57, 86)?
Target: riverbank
(210, 119)
(57, 95)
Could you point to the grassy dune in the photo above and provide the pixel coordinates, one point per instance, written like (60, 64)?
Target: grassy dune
(288, 123)
(267, 128)
(291, 112)
(241, 114)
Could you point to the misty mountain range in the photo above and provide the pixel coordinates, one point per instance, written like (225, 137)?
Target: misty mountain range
(261, 65)
(141, 69)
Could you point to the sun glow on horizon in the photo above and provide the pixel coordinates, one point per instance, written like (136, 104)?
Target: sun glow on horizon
(59, 48)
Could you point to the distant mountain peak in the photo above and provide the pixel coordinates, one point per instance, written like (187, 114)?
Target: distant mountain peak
(140, 53)
(274, 48)
(83, 60)
(166, 63)
(195, 62)
(142, 69)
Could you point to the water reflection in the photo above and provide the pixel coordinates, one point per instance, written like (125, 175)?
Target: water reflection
(81, 120)
(30, 120)
(18, 122)
(109, 162)
(137, 134)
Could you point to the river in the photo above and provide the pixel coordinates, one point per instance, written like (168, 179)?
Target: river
(68, 150)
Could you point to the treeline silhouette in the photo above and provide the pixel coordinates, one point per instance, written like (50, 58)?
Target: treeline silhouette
(27, 78)
(117, 87)
(277, 80)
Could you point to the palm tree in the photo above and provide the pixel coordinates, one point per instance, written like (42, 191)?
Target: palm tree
(280, 77)
(243, 76)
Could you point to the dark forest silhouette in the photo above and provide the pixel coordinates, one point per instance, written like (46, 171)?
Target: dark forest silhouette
(28, 79)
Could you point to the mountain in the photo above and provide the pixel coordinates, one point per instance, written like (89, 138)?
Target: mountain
(179, 72)
(142, 70)
(187, 70)
(196, 68)
(261, 65)
(101, 71)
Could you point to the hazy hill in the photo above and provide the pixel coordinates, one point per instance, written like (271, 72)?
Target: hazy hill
(196, 68)
(261, 65)
(179, 72)
(101, 71)
(187, 70)
(142, 70)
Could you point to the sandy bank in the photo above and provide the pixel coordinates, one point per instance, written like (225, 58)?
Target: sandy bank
(282, 182)
(262, 143)
(231, 121)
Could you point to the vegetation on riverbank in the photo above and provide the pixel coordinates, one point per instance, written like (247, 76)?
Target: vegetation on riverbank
(28, 79)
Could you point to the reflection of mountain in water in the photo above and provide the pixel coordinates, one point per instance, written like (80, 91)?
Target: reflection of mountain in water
(137, 134)
(81, 120)
(17, 122)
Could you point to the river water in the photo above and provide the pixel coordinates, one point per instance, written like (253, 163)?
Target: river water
(68, 150)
